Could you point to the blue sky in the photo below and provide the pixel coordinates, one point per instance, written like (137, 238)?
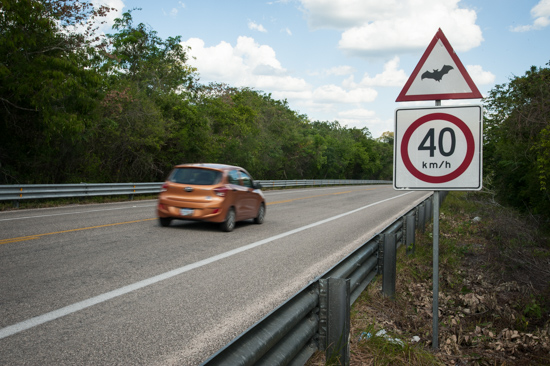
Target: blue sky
(347, 60)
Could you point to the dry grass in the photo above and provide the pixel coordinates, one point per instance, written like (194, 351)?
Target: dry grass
(494, 300)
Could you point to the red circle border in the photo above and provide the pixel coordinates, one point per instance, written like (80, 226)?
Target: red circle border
(470, 148)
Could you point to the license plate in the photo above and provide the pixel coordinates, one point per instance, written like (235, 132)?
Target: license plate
(186, 212)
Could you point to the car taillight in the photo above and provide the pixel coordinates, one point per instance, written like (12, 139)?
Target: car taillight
(164, 187)
(161, 207)
(220, 191)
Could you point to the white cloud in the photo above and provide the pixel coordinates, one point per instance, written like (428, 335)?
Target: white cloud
(357, 114)
(391, 76)
(174, 11)
(258, 27)
(521, 28)
(247, 64)
(360, 118)
(340, 70)
(541, 15)
(479, 76)
(302, 96)
(343, 14)
(334, 71)
(337, 94)
(380, 28)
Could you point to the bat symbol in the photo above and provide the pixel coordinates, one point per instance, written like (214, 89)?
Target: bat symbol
(437, 74)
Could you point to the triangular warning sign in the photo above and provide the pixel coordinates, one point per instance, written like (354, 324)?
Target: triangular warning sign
(439, 75)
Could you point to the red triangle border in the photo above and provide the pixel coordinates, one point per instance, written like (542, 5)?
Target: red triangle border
(474, 94)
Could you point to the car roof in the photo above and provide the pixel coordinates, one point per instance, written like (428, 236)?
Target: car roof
(210, 166)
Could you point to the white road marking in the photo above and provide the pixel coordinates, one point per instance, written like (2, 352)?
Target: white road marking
(56, 314)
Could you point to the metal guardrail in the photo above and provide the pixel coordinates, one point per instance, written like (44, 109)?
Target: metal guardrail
(317, 182)
(20, 192)
(44, 191)
(317, 317)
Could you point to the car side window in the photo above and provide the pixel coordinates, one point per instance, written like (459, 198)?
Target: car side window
(247, 181)
(233, 177)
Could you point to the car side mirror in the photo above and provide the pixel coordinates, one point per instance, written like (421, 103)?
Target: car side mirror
(257, 185)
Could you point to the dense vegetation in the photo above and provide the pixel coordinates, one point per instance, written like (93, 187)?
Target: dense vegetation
(517, 146)
(77, 107)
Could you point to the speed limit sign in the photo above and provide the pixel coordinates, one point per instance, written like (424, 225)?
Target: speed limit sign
(438, 148)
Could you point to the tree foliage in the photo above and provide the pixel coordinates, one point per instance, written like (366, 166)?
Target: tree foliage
(47, 89)
(517, 146)
(79, 107)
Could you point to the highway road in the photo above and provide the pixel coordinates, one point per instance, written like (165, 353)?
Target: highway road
(104, 284)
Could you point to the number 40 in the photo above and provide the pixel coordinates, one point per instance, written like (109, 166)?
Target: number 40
(428, 143)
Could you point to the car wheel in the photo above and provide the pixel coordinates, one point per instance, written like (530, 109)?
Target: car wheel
(259, 219)
(165, 221)
(229, 223)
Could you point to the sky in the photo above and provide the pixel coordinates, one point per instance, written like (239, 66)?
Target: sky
(347, 60)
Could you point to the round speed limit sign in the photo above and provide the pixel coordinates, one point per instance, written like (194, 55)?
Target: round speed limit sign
(438, 148)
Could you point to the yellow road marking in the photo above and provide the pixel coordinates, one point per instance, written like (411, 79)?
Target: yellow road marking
(22, 238)
(38, 236)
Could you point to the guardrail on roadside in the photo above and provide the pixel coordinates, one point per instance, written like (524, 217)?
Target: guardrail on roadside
(317, 182)
(20, 192)
(317, 318)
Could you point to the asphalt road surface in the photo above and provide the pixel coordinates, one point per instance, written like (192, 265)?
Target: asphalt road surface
(104, 284)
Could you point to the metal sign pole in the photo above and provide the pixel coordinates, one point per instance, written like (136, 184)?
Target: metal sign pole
(435, 341)
(435, 295)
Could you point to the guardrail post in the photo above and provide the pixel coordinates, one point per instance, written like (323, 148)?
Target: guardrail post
(338, 321)
(389, 270)
(421, 218)
(429, 210)
(442, 196)
(410, 230)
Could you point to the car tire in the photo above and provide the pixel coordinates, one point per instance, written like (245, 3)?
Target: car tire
(259, 219)
(229, 223)
(165, 221)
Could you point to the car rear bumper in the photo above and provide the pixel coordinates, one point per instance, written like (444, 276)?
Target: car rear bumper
(188, 212)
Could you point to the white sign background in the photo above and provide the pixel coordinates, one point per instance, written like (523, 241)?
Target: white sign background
(452, 82)
(438, 148)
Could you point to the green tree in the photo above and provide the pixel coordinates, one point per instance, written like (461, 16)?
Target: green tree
(387, 137)
(155, 65)
(47, 87)
(517, 141)
(347, 153)
(145, 106)
(384, 155)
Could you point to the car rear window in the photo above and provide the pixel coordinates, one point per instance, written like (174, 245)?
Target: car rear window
(197, 176)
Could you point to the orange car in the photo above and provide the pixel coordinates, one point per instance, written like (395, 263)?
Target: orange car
(210, 192)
